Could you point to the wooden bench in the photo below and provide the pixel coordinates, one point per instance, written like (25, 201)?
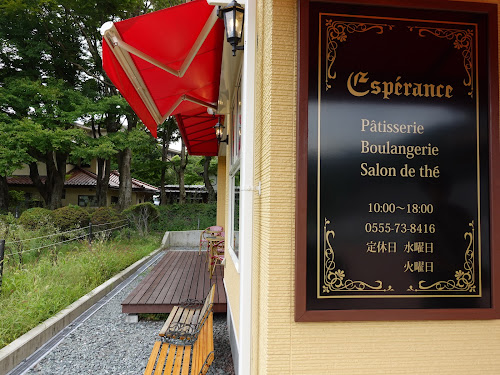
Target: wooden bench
(185, 321)
(177, 359)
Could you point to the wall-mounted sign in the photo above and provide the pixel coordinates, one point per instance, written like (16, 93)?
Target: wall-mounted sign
(397, 130)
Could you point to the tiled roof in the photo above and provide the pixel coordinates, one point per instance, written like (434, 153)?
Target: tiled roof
(81, 177)
(21, 180)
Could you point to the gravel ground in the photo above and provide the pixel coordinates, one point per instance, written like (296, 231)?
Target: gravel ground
(105, 344)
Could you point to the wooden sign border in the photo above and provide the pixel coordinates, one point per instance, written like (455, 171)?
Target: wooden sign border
(302, 314)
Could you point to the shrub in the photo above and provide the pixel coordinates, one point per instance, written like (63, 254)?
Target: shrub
(105, 215)
(70, 217)
(7, 219)
(142, 215)
(187, 216)
(36, 217)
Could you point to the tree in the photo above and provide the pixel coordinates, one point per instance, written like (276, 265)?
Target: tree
(206, 178)
(12, 156)
(168, 133)
(180, 163)
(43, 114)
(38, 88)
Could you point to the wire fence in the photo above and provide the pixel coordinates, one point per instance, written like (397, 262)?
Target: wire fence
(35, 244)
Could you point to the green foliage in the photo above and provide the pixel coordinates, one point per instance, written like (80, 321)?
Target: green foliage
(36, 217)
(105, 215)
(70, 217)
(142, 216)
(40, 289)
(12, 151)
(186, 216)
(6, 220)
(16, 197)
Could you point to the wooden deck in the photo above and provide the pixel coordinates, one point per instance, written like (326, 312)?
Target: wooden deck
(180, 275)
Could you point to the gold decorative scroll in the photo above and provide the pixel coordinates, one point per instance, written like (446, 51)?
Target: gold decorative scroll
(336, 32)
(335, 279)
(464, 279)
(462, 40)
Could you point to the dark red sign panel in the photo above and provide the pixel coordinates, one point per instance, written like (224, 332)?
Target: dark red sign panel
(397, 163)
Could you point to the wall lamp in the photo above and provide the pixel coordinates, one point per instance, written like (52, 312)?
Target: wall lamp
(233, 15)
(219, 132)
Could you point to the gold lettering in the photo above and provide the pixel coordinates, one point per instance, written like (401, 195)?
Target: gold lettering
(358, 78)
(448, 91)
(429, 90)
(398, 86)
(356, 82)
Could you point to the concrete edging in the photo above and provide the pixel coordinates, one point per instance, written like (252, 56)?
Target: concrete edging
(21, 348)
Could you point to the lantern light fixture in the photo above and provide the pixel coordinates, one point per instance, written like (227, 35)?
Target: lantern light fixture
(233, 15)
(219, 132)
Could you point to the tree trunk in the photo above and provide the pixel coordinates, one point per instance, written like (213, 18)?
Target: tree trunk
(103, 171)
(56, 174)
(164, 153)
(206, 179)
(163, 195)
(125, 189)
(51, 190)
(40, 186)
(4, 194)
(182, 168)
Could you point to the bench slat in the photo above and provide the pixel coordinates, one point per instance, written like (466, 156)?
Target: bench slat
(161, 360)
(171, 356)
(171, 316)
(152, 358)
(185, 362)
(178, 359)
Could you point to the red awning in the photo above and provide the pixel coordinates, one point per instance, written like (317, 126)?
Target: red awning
(168, 63)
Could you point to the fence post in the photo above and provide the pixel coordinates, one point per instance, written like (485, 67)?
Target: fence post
(2, 251)
(90, 233)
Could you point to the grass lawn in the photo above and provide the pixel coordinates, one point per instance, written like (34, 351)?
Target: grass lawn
(37, 290)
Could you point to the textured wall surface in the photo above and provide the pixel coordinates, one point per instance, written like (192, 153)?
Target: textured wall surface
(280, 345)
(232, 283)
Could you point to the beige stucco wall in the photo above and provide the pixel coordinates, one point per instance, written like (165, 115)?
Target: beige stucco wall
(72, 195)
(232, 284)
(280, 345)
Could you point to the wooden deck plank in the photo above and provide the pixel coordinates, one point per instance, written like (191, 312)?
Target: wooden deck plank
(220, 292)
(165, 271)
(166, 281)
(204, 278)
(176, 282)
(148, 286)
(182, 281)
(179, 275)
(192, 280)
(193, 289)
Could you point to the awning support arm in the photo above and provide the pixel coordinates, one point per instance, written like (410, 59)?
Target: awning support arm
(118, 42)
(189, 99)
